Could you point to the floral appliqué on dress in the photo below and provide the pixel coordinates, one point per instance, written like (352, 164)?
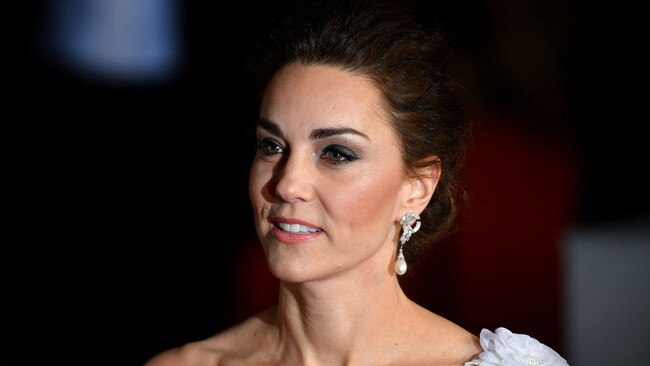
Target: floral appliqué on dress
(504, 348)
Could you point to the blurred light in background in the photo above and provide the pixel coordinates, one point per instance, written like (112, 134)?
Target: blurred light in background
(133, 41)
(607, 294)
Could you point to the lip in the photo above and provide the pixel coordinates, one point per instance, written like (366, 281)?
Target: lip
(293, 238)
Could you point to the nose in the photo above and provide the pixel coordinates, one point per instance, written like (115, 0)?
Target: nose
(294, 178)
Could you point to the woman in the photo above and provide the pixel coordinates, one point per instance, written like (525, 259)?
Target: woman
(358, 143)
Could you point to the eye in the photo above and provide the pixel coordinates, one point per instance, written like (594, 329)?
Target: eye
(337, 154)
(269, 147)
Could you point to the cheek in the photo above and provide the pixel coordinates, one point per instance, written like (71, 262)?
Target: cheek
(256, 181)
(368, 201)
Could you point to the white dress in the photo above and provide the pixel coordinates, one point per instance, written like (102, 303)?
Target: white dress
(504, 348)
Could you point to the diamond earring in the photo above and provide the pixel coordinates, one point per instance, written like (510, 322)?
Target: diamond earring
(407, 231)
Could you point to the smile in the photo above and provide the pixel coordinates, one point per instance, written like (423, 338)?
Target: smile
(296, 228)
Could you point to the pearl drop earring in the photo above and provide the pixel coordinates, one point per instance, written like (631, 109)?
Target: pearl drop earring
(407, 231)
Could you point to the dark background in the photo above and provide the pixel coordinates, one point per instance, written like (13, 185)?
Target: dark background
(128, 209)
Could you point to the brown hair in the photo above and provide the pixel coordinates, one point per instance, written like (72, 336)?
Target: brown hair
(409, 65)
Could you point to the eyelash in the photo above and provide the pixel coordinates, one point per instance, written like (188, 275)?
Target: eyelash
(343, 155)
(346, 154)
(264, 145)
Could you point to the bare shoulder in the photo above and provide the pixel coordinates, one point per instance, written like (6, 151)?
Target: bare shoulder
(443, 338)
(239, 343)
(189, 354)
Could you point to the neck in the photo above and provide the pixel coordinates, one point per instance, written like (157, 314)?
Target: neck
(333, 320)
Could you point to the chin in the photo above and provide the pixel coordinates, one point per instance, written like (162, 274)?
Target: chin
(289, 271)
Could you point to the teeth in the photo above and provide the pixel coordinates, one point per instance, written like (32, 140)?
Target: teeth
(296, 228)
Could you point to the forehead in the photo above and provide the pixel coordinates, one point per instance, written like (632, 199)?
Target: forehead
(323, 94)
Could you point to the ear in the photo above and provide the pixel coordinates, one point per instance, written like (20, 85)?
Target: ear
(419, 187)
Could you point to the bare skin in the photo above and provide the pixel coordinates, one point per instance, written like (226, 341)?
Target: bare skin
(422, 338)
(328, 219)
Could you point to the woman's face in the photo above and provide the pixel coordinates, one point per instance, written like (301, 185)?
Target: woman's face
(327, 179)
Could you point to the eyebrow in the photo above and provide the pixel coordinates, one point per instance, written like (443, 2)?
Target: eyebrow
(317, 134)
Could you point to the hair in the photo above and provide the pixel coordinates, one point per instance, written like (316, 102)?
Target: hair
(384, 42)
